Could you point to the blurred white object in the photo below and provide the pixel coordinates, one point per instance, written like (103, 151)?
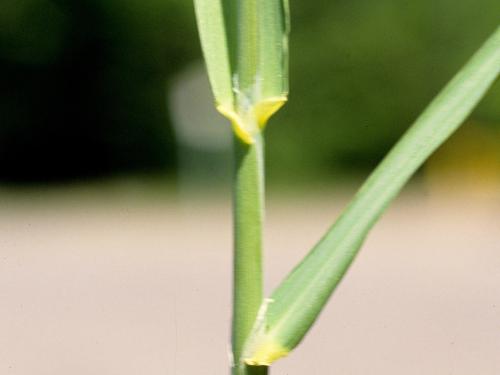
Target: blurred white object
(203, 135)
(196, 122)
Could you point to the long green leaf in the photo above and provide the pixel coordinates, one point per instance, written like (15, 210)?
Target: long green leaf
(294, 306)
(245, 44)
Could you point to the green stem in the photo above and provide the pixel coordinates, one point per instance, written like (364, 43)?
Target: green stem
(248, 217)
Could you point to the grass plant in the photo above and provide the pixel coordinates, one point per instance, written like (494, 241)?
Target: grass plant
(245, 44)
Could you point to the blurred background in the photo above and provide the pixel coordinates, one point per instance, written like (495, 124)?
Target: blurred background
(112, 157)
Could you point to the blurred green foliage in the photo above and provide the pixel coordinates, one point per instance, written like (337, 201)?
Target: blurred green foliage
(83, 85)
(83, 82)
(361, 71)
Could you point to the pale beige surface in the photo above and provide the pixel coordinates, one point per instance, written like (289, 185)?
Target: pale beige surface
(108, 286)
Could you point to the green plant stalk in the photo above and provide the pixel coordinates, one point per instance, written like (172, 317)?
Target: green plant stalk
(247, 271)
(296, 303)
(245, 45)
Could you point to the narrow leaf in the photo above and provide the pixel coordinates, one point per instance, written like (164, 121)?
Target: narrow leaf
(294, 306)
(212, 30)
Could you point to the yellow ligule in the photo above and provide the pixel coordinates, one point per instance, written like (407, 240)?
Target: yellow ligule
(266, 353)
(238, 124)
(259, 114)
(265, 109)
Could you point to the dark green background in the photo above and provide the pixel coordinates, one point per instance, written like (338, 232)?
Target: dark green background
(83, 82)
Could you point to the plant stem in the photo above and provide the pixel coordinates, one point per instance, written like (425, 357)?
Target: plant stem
(248, 216)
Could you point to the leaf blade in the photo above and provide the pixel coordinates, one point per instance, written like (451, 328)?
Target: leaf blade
(299, 299)
(210, 17)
